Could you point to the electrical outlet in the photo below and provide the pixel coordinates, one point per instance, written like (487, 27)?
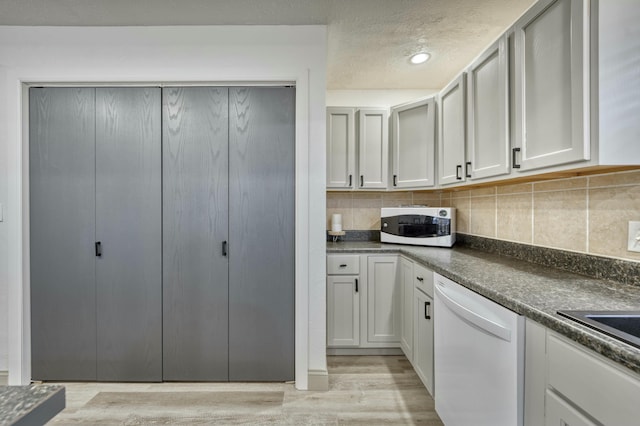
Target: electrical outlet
(634, 236)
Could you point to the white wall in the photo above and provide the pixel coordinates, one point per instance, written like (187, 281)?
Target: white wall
(158, 55)
(376, 98)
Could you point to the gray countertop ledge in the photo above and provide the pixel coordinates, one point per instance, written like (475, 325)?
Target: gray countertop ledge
(30, 405)
(532, 290)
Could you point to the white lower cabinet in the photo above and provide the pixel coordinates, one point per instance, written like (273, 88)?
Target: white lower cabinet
(406, 296)
(383, 301)
(591, 389)
(343, 311)
(423, 338)
(363, 301)
(561, 413)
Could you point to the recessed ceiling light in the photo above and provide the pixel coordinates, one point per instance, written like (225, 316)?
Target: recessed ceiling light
(419, 58)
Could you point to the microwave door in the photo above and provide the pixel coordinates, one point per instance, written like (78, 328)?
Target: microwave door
(413, 226)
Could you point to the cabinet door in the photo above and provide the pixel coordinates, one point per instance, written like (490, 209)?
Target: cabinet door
(195, 224)
(406, 296)
(561, 413)
(487, 114)
(452, 131)
(413, 144)
(261, 233)
(552, 84)
(341, 147)
(343, 311)
(128, 223)
(373, 144)
(423, 339)
(62, 233)
(383, 300)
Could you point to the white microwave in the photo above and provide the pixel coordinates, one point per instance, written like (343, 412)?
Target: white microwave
(421, 226)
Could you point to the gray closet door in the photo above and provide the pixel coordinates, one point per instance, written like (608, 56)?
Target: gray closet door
(62, 225)
(128, 225)
(195, 225)
(261, 233)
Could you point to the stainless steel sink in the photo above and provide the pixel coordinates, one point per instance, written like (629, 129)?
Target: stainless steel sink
(623, 325)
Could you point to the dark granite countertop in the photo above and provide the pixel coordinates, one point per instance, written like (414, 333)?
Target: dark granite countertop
(30, 405)
(529, 289)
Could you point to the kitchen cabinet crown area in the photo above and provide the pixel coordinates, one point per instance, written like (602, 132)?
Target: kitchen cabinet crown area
(147, 260)
(555, 92)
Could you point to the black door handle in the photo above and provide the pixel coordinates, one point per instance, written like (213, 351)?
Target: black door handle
(98, 249)
(350, 180)
(459, 172)
(426, 310)
(513, 158)
(224, 248)
(356, 285)
(395, 180)
(361, 180)
(466, 167)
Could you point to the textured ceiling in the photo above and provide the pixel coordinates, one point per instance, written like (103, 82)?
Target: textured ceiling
(368, 44)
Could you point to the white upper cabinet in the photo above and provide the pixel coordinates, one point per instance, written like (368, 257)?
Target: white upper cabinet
(341, 147)
(452, 132)
(373, 146)
(488, 113)
(552, 85)
(413, 141)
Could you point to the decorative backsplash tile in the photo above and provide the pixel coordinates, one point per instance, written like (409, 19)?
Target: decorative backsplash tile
(586, 214)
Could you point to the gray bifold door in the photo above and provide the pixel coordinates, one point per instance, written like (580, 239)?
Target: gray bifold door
(228, 223)
(95, 180)
(162, 233)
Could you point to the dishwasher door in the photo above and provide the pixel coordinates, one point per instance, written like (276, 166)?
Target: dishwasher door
(479, 359)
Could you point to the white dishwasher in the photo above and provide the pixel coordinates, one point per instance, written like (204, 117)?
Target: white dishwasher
(479, 358)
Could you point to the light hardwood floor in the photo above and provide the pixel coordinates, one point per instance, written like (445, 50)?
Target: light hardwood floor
(367, 390)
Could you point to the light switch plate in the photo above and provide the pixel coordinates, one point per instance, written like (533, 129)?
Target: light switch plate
(634, 236)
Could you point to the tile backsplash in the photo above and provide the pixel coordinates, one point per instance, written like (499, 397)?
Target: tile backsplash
(587, 214)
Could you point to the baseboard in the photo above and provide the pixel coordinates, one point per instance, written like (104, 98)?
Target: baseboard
(4, 378)
(318, 380)
(364, 351)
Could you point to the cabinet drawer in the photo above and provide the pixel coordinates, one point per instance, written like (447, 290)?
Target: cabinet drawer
(343, 264)
(606, 392)
(423, 279)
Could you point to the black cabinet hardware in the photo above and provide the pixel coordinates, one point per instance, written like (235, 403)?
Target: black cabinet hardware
(466, 169)
(98, 249)
(513, 158)
(356, 285)
(361, 180)
(395, 180)
(427, 315)
(224, 248)
(344, 265)
(350, 180)
(459, 172)
(420, 279)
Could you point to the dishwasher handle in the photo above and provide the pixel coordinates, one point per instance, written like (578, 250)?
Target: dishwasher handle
(473, 318)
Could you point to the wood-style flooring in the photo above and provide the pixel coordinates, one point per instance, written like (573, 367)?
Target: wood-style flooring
(367, 390)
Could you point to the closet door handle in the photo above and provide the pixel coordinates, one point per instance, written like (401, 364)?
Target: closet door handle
(513, 158)
(427, 315)
(459, 172)
(224, 248)
(356, 285)
(98, 249)
(466, 169)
